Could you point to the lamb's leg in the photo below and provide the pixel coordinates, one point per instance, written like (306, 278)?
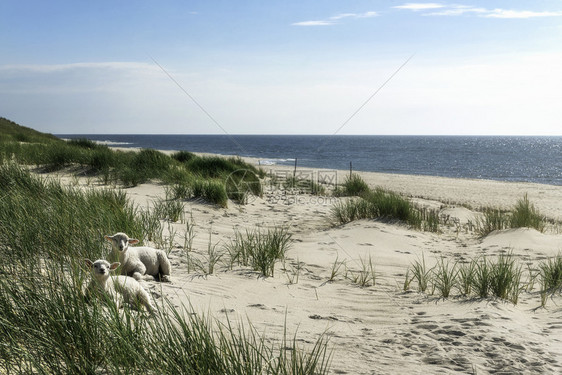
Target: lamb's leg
(165, 268)
(118, 300)
(144, 297)
(139, 273)
(140, 277)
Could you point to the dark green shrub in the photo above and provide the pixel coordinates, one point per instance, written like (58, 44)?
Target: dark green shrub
(181, 190)
(102, 159)
(216, 166)
(148, 164)
(57, 157)
(183, 156)
(21, 137)
(215, 192)
(241, 183)
(83, 143)
(211, 166)
(177, 174)
(130, 177)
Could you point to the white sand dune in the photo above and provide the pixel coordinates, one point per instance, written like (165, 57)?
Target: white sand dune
(381, 328)
(525, 239)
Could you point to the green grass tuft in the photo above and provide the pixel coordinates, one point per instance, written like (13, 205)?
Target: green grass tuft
(526, 215)
(260, 249)
(523, 215)
(482, 277)
(384, 204)
(550, 272)
(445, 277)
(353, 186)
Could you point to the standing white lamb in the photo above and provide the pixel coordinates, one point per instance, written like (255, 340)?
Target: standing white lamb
(119, 288)
(140, 262)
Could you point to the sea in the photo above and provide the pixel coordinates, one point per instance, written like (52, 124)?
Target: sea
(502, 158)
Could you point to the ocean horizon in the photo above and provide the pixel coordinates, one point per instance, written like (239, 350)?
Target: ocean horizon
(535, 159)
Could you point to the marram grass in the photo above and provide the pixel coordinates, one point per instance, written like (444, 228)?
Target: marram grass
(481, 277)
(215, 179)
(260, 249)
(380, 204)
(48, 327)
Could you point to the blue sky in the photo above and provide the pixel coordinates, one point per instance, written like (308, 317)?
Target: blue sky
(282, 67)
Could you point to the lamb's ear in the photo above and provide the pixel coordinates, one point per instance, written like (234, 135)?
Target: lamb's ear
(109, 238)
(133, 241)
(114, 266)
(89, 263)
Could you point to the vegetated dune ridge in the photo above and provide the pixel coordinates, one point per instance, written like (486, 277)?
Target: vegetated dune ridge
(376, 328)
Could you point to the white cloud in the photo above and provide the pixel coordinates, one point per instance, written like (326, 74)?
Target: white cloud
(330, 21)
(419, 6)
(458, 10)
(38, 68)
(343, 15)
(354, 15)
(367, 15)
(507, 13)
(314, 23)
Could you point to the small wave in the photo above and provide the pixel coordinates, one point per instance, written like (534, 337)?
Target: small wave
(275, 161)
(113, 143)
(267, 162)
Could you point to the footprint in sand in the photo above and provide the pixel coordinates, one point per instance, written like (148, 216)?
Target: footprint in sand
(260, 306)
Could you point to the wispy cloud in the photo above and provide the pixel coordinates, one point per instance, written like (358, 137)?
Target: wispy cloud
(416, 7)
(367, 15)
(437, 9)
(333, 20)
(343, 15)
(459, 10)
(314, 23)
(53, 68)
(506, 13)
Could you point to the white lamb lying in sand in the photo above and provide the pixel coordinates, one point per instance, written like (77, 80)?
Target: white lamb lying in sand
(140, 262)
(119, 288)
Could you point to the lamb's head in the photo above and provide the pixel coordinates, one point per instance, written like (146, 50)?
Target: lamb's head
(120, 242)
(100, 268)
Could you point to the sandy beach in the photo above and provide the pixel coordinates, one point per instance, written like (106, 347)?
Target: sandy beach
(380, 328)
(186, 127)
